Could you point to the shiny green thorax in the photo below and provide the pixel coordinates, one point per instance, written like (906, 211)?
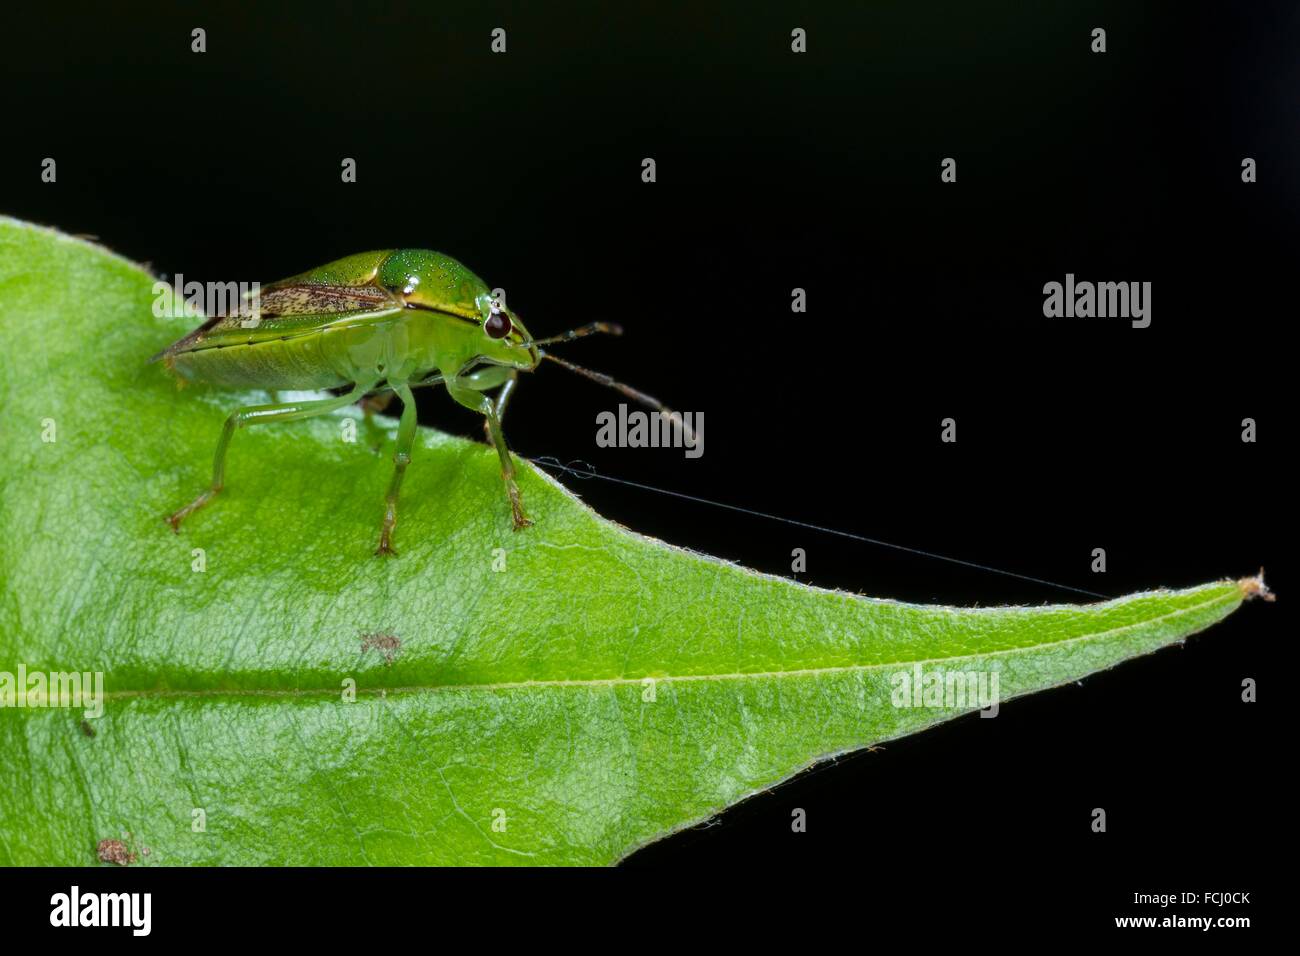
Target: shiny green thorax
(429, 281)
(395, 315)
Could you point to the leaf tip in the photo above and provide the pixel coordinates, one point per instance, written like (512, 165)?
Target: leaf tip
(1255, 588)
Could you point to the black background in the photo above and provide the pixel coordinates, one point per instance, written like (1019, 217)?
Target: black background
(818, 171)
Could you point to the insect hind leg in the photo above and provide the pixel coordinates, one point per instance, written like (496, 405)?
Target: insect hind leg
(257, 415)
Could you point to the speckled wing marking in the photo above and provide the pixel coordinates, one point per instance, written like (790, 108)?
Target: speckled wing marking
(286, 311)
(306, 299)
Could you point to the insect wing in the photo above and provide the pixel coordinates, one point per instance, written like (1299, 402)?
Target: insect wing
(287, 309)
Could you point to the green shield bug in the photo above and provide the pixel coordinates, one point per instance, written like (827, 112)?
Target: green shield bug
(376, 322)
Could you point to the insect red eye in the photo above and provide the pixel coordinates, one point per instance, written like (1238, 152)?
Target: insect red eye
(497, 325)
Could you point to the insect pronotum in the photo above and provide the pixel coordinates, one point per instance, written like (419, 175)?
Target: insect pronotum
(375, 323)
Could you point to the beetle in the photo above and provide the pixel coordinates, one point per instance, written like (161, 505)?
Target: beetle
(375, 323)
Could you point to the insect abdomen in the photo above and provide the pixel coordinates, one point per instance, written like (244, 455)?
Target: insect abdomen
(297, 363)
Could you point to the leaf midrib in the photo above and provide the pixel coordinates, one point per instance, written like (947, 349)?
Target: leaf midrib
(208, 693)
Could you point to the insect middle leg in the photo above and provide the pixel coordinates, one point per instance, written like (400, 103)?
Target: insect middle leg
(257, 415)
(374, 404)
(467, 390)
(401, 458)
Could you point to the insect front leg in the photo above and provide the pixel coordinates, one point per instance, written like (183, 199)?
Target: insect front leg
(490, 411)
(503, 396)
(401, 458)
(257, 415)
(491, 377)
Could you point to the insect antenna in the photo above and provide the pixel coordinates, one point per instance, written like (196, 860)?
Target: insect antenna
(640, 397)
(609, 328)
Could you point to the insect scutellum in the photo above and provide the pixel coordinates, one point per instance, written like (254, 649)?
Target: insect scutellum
(376, 323)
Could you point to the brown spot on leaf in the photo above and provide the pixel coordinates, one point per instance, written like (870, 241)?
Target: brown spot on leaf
(115, 851)
(86, 729)
(386, 644)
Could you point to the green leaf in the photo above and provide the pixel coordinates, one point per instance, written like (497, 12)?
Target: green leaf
(602, 691)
